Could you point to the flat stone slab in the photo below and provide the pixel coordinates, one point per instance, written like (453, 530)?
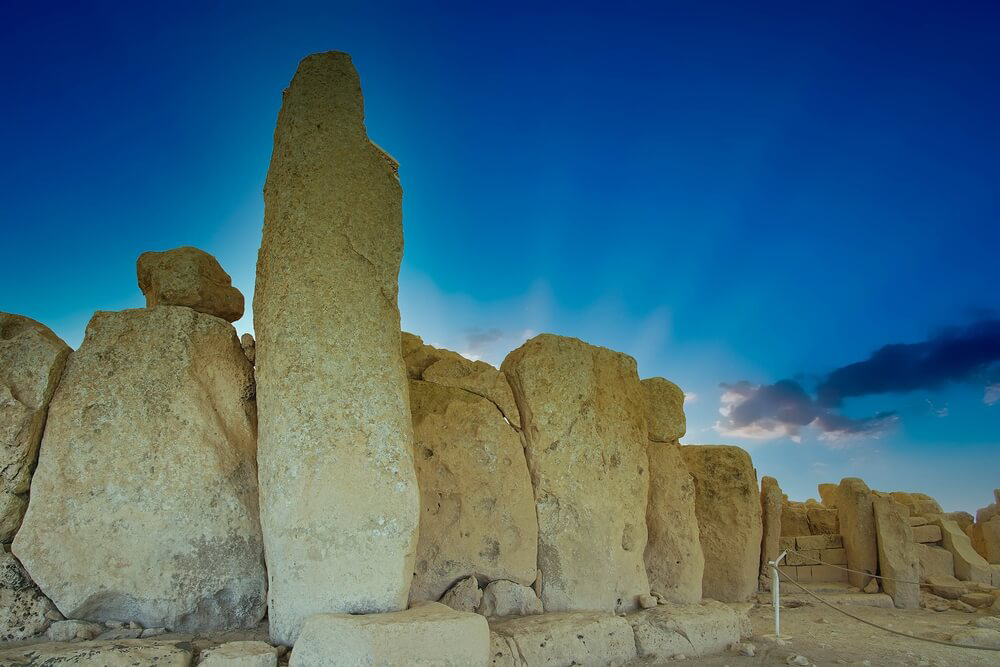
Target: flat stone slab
(123, 653)
(240, 654)
(428, 635)
(587, 639)
(686, 629)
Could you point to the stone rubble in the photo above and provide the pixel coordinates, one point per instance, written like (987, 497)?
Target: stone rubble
(188, 277)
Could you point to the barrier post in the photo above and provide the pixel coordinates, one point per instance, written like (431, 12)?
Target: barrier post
(776, 594)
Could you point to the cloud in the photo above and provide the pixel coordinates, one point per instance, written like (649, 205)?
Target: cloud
(476, 338)
(992, 394)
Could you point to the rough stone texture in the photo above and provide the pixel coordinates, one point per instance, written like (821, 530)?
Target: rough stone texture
(665, 421)
(727, 503)
(144, 503)
(505, 598)
(249, 348)
(240, 654)
(828, 494)
(963, 519)
(823, 521)
(586, 639)
(935, 561)
(857, 526)
(189, 277)
(122, 653)
(771, 506)
(985, 539)
(428, 635)
(689, 630)
(918, 503)
(464, 596)
(946, 587)
(24, 611)
(477, 506)
(926, 534)
(583, 420)
(897, 554)
(64, 631)
(339, 498)
(674, 560)
(969, 565)
(31, 362)
(983, 637)
(794, 520)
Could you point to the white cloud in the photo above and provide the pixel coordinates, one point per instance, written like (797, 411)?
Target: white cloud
(690, 397)
(992, 394)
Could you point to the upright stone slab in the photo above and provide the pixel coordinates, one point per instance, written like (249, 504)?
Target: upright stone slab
(31, 362)
(969, 565)
(727, 504)
(985, 538)
(583, 420)
(897, 553)
(771, 506)
(144, 504)
(828, 494)
(339, 498)
(857, 525)
(665, 420)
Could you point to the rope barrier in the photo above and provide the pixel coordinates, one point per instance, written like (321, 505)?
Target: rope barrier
(847, 569)
(876, 625)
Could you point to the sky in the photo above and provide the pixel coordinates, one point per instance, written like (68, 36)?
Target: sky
(789, 209)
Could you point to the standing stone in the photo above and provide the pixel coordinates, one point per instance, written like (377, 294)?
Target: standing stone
(828, 495)
(31, 362)
(935, 561)
(727, 503)
(857, 525)
(249, 348)
(339, 498)
(665, 421)
(823, 521)
(583, 419)
(969, 565)
(897, 554)
(189, 277)
(770, 505)
(144, 504)
(985, 538)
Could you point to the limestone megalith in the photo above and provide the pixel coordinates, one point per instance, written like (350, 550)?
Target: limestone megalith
(583, 419)
(31, 362)
(339, 498)
(187, 276)
(857, 525)
(665, 421)
(144, 504)
(898, 560)
(771, 506)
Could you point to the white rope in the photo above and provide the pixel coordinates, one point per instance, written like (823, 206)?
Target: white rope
(847, 569)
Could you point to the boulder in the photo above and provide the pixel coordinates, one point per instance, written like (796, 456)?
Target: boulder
(240, 654)
(985, 539)
(189, 277)
(857, 526)
(981, 637)
(477, 506)
(946, 587)
(428, 635)
(31, 362)
(828, 495)
(665, 420)
(464, 596)
(249, 348)
(121, 653)
(339, 499)
(771, 507)
(505, 598)
(969, 565)
(794, 520)
(897, 554)
(727, 503)
(689, 630)
(674, 560)
(24, 611)
(65, 631)
(583, 419)
(935, 561)
(144, 503)
(587, 639)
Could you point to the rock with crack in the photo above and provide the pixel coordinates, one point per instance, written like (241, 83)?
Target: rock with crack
(144, 503)
(897, 554)
(249, 347)
(688, 629)
(588, 639)
(127, 653)
(583, 419)
(506, 598)
(339, 499)
(464, 596)
(857, 526)
(31, 362)
(189, 277)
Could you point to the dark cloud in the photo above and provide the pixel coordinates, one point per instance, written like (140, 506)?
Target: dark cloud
(476, 338)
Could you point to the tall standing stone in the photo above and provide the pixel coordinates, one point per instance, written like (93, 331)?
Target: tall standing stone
(583, 419)
(857, 525)
(771, 503)
(339, 498)
(31, 362)
(898, 560)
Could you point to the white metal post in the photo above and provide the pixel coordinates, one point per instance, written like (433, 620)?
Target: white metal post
(775, 593)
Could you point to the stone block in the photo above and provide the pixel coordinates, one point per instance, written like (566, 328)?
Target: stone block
(935, 561)
(587, 639)
(969, 565)
(691, 630)
(926, 534)
(807, 557)
(121, 653)
(819, 542)
(827, 573)
(833, 556)
(240, 654)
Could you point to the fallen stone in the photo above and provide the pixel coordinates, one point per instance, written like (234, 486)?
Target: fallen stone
(506, 598)
(583, 418)
(947, 587)
(477, 505)
(587, 639)
(152, 632)
(857, 526)
(339, 499)
(982, 637)
(927, 534)
(240, 654)
(897, 556)
(728, 508)
(978, 600)
(665, 421)
(771, 507)
(745, 649)
(969, 565)
(31, 363)
(649, 601)
(125, 653)
(464, 596)
(155, 410)
(64, 631)
(958, 605)
(935, 561)
(120, 633)
(871, 587)
(427, 635)
(249, 348)
(692, 629)
(189, 277)
(797, 659)
(934, 602)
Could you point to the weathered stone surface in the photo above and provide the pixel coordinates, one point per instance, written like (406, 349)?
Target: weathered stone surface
(583, 419)
(926, 534)
(464, 596)
(727, 503)
(477, 506)
(857, 526)
(689, 630)
(794, 520)
(249, 348)
(189, 277)
(771, 507)
(897, 554)
(64, 631)
(339, 498)
(963, 519)
(144, 503)
(31, 362)
(428, 635)
(819, 542)
(122, 653)
(674, 560)
(983, 637)
(917, 503)
(823, 521)
(969, 565)
(587, 639)
(24, 611)
(935, 561)
(505, 598)
(665, 421)
(828, 495)
(985, 539)
(240, 654)
(946, 587)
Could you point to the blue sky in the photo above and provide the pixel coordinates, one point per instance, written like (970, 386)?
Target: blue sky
(737, 195)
